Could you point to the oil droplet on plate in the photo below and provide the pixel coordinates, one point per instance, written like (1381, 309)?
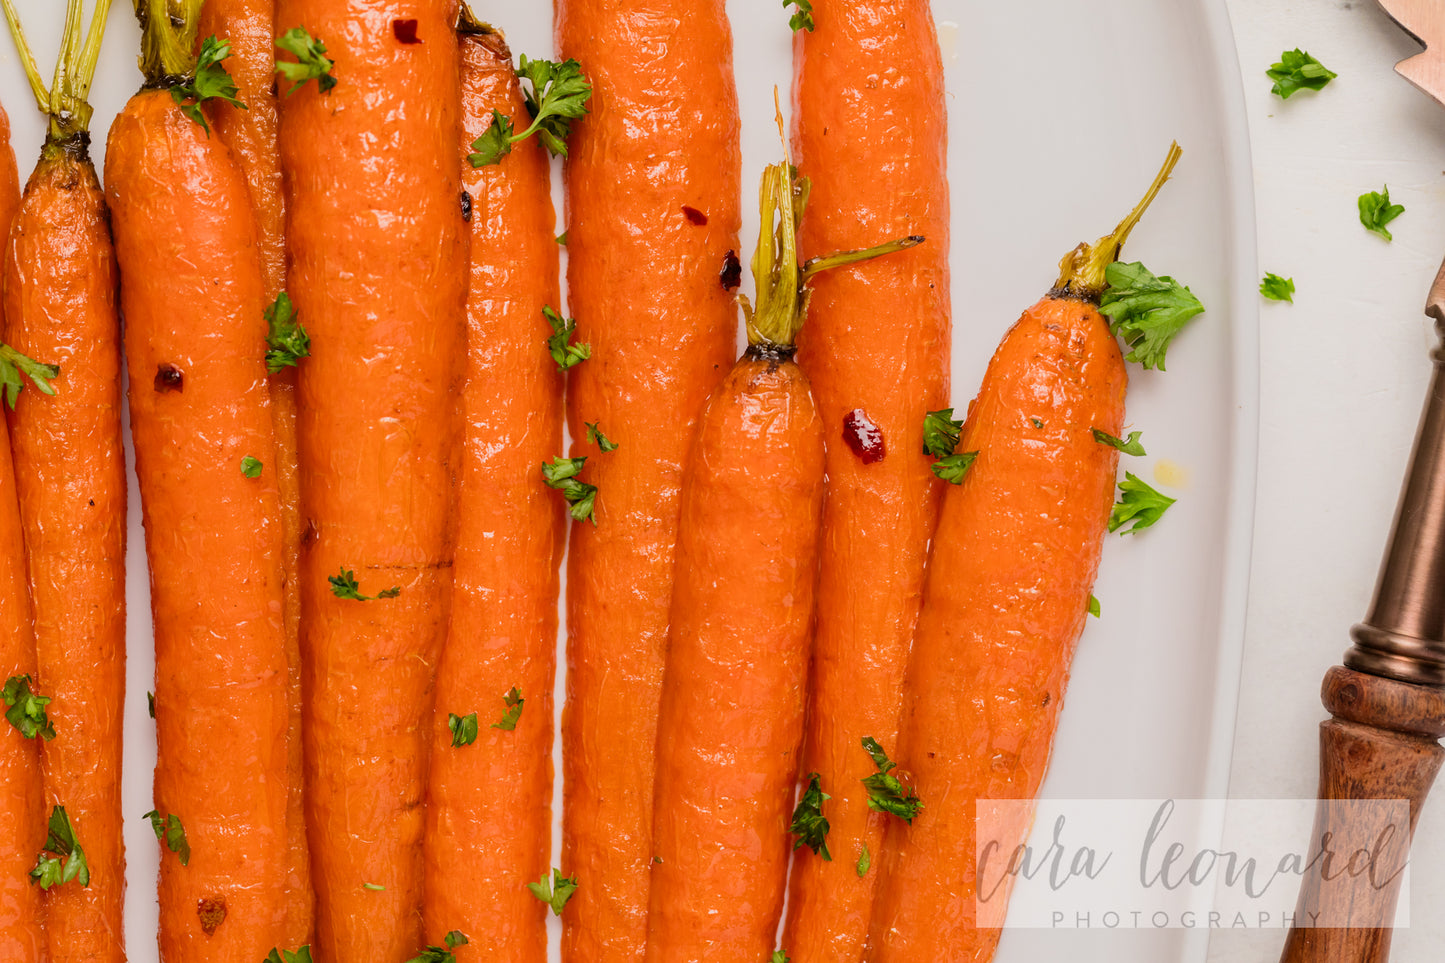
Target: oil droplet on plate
(948, 39)
(1171, 473)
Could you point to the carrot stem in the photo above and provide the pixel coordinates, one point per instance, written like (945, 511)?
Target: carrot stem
(168, 39)
(65, 102)
(1081, 272)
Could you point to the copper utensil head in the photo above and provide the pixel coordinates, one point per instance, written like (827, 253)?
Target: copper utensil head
(1425, 21)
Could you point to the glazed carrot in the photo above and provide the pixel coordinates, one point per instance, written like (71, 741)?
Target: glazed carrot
(192, 294)
(1007, 593)
(248, 25)
(22, 814)
(378, 255)
(643, 272)
(489, 816)
(877, 352)
(61, 304)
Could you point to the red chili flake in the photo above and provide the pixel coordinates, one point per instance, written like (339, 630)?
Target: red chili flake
(405, 31)
(212, 913)
(694, 215)
(731, 274)
(864, 437)
(170, 378)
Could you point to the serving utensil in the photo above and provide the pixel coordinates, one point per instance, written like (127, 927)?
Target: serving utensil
(1387, 700)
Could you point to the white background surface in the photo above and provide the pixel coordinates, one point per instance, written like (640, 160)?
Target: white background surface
(1343, 374)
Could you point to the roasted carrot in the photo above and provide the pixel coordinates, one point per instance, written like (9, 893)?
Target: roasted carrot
(192, 294)
(489, 816)
(876, 350)
(1007, 594)
(248, 26)
(378, 274)
(61, 304)
(22, 815)
(644, 285)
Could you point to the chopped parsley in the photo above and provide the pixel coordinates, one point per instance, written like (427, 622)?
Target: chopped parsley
(1139, 506)
(1296, 71)
(27, 709)
(210, 81)
(168, 829)
(62, 859)
(940, 433)
(558, 96)
(954, 467)
(345, 586)
(311, 61)
(302, 954)
(561, 474)
(514, 702)
(1093, 606)
(1129, 447)
(808, 823)
(287, 341)
(251, 467)
(1146, 311)
(566, 355)
(442, 954)
(554, 892)
(864, 861)
(886, 793)
(1376, 211)
(463, 728)
(16, 367)
(803, 18)
(1277, 288)
(595, 435)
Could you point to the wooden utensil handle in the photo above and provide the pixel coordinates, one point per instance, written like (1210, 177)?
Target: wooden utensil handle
(1382, 745)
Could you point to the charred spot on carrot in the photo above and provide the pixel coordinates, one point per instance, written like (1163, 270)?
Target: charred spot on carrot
(404, 31)
(864, 437)
(169, 378)
(466, 199)
(694, 216)
(212, 913)
(731, 275)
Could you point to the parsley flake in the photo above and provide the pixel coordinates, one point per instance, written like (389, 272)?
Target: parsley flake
(251, 467)
(1277, 288)
(345, 586)
(287, 341)
(168, 829)
(1093, 606)
(808, 823)
(595, 435)
(210, 81)
(301, 954)
(16, 367)
(374, 887)
(1138, 504)
(886, 793)
(954, 467)
(803, 19)
(514, 702)
(561, 474)
(566, 355)
(464, 728)
(1146, 311)
(311, 61)
(554, 892)
(27, 709)
(442, 954)
(1129, 447)
(1297, 70)
(940, 433)
(1376, 211)
(67, 860)
(864, 861)
(558, 96)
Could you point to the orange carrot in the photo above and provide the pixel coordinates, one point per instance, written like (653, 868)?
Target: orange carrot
(248, 25)
(643, 267)
(61, 305)
(489, 818)
(877, 352)
(21, 803)
(192, 294)
(1007, 595)
(378, 255)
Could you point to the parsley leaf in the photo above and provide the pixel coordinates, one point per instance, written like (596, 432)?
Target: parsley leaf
(514, 703)
(68, 861)
(1093, 606)
(1146, 311)
(558, 96)
(595, 435)
(287, 342)
(442, 954)
(168, 829)
(311, 61)
(16, 367)
(803, 19)
(1376, 211)
(1130, 447)
(210, 81)
(345, 586)
(1297, 70)
(808, 823)
(566, 355)
(1277, 288)
(554, 892)
(864, 861)
(301, 955)
(954, 467)
(374, 887)
(886, 793)
(495, 143)
(27, 708)
(779, 957)
(251, 467)
(561, 475)
(940, 433)
(1138, 503)
(464, 728)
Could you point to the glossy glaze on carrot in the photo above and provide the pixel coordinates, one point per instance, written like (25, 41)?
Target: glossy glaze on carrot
(249, 25)
(644, 286)
(1013, 562)
(868, 112)
(378, 273)
(61, 305)
(489, 815)
(731, 721)
(192, 295)
(22, 814)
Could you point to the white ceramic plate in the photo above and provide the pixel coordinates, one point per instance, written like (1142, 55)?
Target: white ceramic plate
(1060, 112)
